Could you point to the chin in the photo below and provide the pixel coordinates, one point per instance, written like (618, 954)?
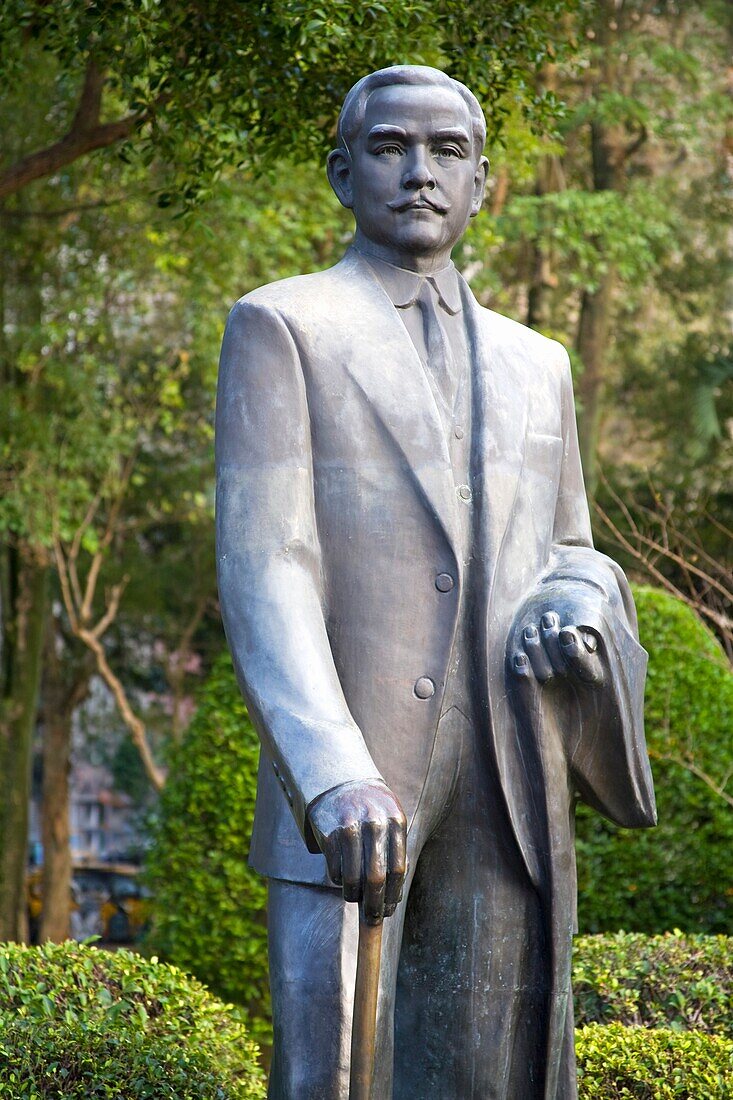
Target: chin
(420, 240)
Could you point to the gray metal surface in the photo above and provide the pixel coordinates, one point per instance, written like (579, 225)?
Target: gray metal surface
(402, 523)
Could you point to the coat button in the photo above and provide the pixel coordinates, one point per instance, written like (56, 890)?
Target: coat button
(424, 687)
(444, 582)
(459, 432)
(464, 492)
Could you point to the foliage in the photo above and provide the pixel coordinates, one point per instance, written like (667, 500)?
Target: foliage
(77, 1023)
(669, 981)
(678, 875)
(630, 1063)
(220, 85)
(595, 231)
(209, 907)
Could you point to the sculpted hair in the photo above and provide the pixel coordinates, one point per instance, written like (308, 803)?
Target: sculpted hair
(354, 106)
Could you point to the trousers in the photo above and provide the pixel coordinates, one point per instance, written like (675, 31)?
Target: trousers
(463, 985)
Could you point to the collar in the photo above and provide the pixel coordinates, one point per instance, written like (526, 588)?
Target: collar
(403, 287)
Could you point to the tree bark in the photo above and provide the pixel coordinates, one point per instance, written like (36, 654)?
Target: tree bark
(24, 615)
(62, 694)
(56, 888)
(591, 345)
(609, 148)
(85, 135)
(549, 179)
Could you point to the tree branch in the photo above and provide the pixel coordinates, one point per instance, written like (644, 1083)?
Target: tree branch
(112, 607)
(85, 135)
(722, 622)
(131, 720)
(693, 768)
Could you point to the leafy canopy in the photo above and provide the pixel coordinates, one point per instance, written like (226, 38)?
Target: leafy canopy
(217, 85)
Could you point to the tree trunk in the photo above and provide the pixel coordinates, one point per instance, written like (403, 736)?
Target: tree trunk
(591, 345)
(609, 150)
(56, 882)
(65, 686)
(24, 613)
(549, 178)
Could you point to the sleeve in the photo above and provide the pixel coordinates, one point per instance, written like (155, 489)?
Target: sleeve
(599, 729)
(269, 563)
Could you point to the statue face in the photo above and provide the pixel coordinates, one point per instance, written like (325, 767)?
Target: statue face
(413, 179)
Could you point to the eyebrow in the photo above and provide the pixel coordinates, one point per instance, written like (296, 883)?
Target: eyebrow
(453, 134)
(387, 131)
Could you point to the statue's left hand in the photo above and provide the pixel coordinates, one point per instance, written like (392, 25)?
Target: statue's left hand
(551, 648)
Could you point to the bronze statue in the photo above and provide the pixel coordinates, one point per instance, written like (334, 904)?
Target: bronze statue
(436, 659)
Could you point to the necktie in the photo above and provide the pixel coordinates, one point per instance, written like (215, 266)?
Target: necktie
(440, 361)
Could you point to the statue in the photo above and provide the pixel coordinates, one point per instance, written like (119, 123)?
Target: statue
(436, 659)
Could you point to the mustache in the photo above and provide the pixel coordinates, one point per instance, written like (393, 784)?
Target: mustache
(417, 202)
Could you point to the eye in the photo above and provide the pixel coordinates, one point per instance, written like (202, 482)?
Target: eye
(448, 151)
(390, 150)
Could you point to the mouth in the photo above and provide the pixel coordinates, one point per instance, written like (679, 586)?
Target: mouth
(417, 203)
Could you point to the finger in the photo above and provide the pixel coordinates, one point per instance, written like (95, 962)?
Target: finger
(331, 848)
(538, 658)
(351, 862)
(374, 848)
(582, 662)
(396, 865)
(550, 632)
(522, 666)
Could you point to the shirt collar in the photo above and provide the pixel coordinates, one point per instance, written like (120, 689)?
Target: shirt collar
(403, 286)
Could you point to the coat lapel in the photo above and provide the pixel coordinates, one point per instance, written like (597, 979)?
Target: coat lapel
(501, 412)
(499, 428)
(387, 369)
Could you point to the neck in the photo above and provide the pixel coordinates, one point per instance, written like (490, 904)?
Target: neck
(421, 265)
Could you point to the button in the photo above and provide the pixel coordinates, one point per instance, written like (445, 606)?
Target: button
(424, 687)
(464, 492)
(458, 432)
(444, 582)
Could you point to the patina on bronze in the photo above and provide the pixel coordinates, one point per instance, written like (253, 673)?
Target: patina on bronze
(366, 997)
(437, 661)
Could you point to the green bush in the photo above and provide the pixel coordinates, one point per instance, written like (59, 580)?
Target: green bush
(679, 875)
(670, 981)
(78, 1024)
(209, 907)
(633, 1063)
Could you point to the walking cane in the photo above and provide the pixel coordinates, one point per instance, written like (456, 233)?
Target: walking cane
(364, 1025)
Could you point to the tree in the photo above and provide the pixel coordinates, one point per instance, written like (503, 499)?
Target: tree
(184, 95)
(612, 242)
(233, 78)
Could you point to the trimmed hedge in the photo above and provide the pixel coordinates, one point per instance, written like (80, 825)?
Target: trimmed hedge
(670, 981)
(208, 908)
(635, 1063)
(77, 1023)
(679, 875)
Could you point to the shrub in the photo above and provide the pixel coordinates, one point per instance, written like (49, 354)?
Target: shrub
(678, 875)
(208, 907)
(77, 1023)
(633, 1063)
(670, 981)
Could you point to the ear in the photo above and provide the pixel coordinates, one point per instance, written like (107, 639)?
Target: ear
(479, 185)
(339, 176)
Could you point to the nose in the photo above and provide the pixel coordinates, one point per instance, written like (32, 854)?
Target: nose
(417, 172)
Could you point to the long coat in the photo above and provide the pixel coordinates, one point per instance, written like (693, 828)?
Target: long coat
(336, 511)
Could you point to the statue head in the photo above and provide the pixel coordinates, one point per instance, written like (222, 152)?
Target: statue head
(409, 163)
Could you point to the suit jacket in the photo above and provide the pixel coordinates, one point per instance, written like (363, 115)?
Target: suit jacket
(337, 509)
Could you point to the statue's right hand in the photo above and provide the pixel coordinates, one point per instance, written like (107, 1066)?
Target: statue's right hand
(362, 831)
